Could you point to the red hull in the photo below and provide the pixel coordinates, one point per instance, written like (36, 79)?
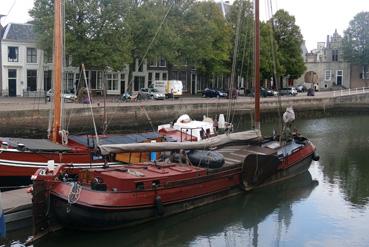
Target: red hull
(128, 195)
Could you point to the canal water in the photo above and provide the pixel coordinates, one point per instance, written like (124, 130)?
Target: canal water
(327, 206)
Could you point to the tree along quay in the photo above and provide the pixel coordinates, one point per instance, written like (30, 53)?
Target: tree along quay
(26, 119)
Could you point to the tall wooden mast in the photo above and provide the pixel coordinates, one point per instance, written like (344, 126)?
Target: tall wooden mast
(257, 66)
(55, 137)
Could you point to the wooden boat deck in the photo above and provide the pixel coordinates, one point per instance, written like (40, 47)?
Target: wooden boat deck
(17, 206)
(234, 155)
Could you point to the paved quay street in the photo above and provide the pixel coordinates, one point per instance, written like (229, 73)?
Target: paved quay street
(25, 103)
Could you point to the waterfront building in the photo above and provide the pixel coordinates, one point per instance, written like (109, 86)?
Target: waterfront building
(325, 65)
(21, 61)
(327, 69)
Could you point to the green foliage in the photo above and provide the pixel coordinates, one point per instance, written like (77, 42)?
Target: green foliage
(289, 39)
(95, 31)
(356, 40)
(107, 34)
(245, 51)
(269, 54)
(208, 41)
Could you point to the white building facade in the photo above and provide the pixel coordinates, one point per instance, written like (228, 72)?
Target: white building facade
(21, 61)
(27, 71)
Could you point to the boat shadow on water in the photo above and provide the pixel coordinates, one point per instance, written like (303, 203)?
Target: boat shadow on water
(241, 213)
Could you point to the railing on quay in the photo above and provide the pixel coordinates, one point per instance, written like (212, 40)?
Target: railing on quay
(350, 91)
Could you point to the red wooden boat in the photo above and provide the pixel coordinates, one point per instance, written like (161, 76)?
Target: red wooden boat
(94, 199)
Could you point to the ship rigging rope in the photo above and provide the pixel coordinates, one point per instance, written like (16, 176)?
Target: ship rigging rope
(90, 103)
(143, 59)
(231, 101)
(269, 9)
(246, 53)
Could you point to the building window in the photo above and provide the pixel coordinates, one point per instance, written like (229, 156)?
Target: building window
(327, 75)
(122, 83)
(47, 79)
(31, 55)
(162, 62)
(335, 55)
(139, 64)
(112, 79)
(94, 79)
(149, 80)
(165, 76)
(138, 82)
(31, 80)
(157, 76)
(69, 82)
(13, 54)
(153, 63)
(364, 75)
(48, 57)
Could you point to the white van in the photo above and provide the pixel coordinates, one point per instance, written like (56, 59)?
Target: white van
(169, 88)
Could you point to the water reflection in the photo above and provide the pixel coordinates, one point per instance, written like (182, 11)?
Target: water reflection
(226, 223)
(344, 145)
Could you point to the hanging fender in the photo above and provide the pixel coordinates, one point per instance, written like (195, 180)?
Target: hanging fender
(256, 169)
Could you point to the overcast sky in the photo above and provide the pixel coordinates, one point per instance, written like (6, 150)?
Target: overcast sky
(316, 18)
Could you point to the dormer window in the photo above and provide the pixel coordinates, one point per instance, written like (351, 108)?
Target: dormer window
(162, 62)
(13, 54)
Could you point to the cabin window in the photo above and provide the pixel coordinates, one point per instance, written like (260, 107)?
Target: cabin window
(31, 55)
(140, 186)
(13, 54)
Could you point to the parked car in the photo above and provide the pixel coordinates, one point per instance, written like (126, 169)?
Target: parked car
(155, 94)
(211, 93)
(271, 92)
(291, 91)
(143, 94)
(67, 97)
(301, 88)
(263, 92)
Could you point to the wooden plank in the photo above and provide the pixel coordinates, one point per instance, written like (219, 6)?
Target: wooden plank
(15, 200)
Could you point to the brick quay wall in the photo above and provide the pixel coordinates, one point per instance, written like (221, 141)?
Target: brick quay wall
(30, 116)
